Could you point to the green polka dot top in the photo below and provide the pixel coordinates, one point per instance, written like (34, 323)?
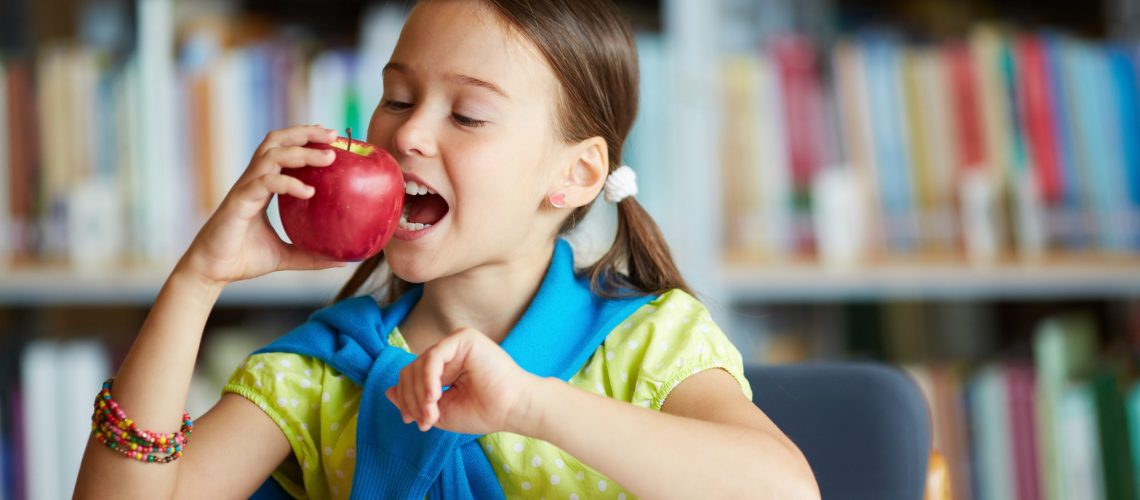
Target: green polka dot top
(640, 362)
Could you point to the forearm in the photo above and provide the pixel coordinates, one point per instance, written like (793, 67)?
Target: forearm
(657, 455)
(151, 386)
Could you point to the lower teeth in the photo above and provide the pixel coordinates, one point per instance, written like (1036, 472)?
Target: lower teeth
(412, 226)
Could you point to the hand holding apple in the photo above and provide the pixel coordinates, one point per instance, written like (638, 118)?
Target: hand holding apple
(237, 243)
(356, 205)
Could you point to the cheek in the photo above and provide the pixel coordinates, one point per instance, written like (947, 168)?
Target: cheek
(380, 129)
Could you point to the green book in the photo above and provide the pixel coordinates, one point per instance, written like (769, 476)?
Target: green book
(1132, 418)
(1114, 449)
(1064, 350)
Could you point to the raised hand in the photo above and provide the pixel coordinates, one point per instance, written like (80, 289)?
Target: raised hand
(237, 242)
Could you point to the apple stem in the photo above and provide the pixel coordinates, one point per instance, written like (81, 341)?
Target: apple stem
(349, 147)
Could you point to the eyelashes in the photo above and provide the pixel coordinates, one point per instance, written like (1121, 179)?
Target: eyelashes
(461, 120)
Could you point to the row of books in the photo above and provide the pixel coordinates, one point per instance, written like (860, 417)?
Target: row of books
(1035, 400)
(110, 156)
(116, 158)
(45, 408)
(998, 143)
(1063, 425)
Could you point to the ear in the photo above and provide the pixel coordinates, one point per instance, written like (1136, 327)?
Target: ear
(585, 172)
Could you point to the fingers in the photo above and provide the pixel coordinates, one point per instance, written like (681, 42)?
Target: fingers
(420, 388)
(296, 136)
(298, 156)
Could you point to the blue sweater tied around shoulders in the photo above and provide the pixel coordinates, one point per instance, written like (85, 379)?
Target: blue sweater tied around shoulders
(564, 324)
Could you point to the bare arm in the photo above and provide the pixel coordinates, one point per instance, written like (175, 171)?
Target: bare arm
(709, 441)
(235, 445)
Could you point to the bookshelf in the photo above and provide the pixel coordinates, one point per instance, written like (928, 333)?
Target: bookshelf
(744, 223)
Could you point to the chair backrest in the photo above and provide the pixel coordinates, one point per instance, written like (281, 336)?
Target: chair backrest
(864, 427)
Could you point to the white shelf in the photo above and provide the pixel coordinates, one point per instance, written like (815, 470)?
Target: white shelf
(141, 286)
(808, 283)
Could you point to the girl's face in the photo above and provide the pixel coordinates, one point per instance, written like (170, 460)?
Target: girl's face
(468, 112)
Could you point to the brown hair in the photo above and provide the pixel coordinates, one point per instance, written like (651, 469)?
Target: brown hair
(589, 46)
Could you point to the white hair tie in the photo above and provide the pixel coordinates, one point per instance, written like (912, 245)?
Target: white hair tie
(621, 184)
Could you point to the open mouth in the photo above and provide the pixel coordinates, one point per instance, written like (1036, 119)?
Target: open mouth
(422, 207)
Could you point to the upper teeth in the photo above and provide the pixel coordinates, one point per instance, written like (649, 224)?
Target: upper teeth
(411, 187)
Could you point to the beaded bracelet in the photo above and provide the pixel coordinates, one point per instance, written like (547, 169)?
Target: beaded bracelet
(112, 428)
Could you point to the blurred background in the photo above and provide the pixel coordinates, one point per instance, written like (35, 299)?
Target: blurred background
(949, 186)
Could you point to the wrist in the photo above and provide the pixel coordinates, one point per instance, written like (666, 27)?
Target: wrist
(186, 280)
(529, 414)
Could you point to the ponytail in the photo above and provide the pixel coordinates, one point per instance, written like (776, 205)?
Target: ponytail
(639, 259)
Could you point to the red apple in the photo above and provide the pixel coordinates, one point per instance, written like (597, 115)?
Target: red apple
(356, 207)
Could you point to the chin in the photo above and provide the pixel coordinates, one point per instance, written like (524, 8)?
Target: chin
(406, 266)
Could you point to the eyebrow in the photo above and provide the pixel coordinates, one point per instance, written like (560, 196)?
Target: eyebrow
(462, 79)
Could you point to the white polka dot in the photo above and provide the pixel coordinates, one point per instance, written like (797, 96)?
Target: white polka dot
(487, 447)
(573, 496)
(280, 377)
(325, 397)
(536, 462)
(334, 426)
(350, 453)
(285, 363)
(507, 468)
(293, 402)
(526, 485)
(609, 356)
(340, 473)
(555, 479)
(650, 309)
(518, 447)
(625, 377)
(598, 388)
(307, 464)
(305, 383)
(627, 325)
(704, 328)
(262, 405)
(258, 366)
(631, 344)
(581, 476)
(602, 485)
(282, 402)
(308, 373)
(621, 496)
(257, 383)
(328, 451)
(559, 463)
(304, 426)
(643, 403)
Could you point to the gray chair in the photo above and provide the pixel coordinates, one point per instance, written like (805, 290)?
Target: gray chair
(864, 428)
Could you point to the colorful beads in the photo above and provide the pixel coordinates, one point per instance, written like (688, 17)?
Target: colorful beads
(111, 427)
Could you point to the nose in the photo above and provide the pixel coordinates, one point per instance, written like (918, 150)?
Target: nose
(415, 136)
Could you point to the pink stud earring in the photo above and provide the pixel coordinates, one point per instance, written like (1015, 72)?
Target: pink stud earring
(558, 200)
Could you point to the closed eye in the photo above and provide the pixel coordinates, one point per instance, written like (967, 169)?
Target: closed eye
(467, 122)
(396, 105)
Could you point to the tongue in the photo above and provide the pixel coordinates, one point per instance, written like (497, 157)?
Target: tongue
(426, 209)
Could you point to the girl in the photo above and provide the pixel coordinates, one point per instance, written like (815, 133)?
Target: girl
(492, 368)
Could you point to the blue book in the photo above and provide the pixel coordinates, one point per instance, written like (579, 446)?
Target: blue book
(1100, 144)
(1123, 68)
(1073, 234)
(883, 66)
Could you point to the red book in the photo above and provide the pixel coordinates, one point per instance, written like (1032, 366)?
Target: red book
(966, 102)
(1038, 120)
(799, 82)
(22, 155)
(1020, 383)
